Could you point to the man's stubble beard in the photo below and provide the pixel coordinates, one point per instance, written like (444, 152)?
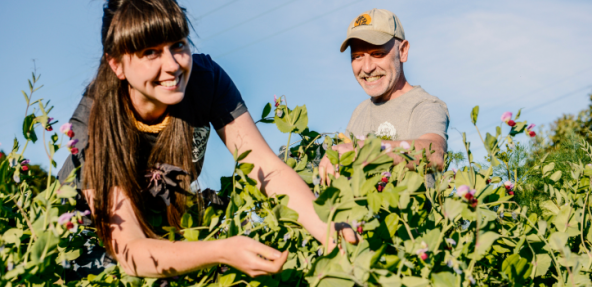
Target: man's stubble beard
(390, 87)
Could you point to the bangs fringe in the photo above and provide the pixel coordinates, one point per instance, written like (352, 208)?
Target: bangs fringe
(142, 24)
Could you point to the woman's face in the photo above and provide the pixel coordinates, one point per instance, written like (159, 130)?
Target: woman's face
(157, 76)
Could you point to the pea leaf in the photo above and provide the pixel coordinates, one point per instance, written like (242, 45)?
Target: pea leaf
(266, 110)
(474, 115)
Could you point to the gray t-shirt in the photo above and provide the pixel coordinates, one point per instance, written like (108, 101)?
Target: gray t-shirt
(406, 117)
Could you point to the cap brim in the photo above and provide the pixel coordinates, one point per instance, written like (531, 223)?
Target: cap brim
(373, 37)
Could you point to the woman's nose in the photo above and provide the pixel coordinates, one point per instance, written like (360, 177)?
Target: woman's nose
(169, 63)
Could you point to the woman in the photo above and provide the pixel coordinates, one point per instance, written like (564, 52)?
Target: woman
(150, 108)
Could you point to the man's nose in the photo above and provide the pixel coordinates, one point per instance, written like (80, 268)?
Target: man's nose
(169, 63)
(367, 64)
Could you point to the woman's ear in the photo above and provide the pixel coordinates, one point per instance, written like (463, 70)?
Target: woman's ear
(116, 66)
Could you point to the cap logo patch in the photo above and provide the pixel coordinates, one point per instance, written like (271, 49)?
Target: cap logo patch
(363, 19)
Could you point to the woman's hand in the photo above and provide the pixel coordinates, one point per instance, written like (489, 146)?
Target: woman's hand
(252, 257)
(345, 231)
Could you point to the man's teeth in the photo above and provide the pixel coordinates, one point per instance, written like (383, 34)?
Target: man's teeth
(169, 83)
(372, 79)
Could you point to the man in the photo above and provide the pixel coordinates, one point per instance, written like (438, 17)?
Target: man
(397, 112)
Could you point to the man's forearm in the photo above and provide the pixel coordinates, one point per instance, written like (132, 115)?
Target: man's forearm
(434, 152)
(434, 148)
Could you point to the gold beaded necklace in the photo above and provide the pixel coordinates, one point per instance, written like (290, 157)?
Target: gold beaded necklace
(153, 129)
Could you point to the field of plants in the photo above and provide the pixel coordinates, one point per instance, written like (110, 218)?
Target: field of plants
(519, 217)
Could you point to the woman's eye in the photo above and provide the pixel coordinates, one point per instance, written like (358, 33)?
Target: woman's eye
(149, 52)
(179, 45)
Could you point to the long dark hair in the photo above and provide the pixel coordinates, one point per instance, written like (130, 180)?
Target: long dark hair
(112, 157)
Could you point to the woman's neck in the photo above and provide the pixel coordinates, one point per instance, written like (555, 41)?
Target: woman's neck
(149, 111)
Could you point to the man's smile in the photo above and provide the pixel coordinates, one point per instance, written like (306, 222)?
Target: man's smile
(373, 78)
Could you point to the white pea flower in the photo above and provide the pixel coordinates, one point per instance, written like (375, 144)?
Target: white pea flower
(450, 241)
(386, 130)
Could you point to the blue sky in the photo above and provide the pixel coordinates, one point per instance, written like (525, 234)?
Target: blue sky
(501, 55)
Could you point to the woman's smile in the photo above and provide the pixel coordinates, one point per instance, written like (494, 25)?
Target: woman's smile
(170, 84)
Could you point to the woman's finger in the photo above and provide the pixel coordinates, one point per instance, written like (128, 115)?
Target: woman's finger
(350, 236)
(271, 266)
(265, 251)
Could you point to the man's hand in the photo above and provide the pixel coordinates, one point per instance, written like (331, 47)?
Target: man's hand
(436, 158)
(325, 166)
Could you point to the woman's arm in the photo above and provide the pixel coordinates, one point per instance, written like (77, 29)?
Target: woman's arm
(147, 257)
(274, 176)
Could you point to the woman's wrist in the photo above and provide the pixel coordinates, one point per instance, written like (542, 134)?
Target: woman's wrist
(223, 250)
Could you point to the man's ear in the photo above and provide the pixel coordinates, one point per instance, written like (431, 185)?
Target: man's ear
(116, 66)
(403, 51)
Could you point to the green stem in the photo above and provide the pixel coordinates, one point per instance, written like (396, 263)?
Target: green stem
(287, 147)
(556, 264)
(474, 259)
(330, 220)
(582, 225)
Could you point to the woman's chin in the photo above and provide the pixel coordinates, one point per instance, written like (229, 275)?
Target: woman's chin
(172, 99)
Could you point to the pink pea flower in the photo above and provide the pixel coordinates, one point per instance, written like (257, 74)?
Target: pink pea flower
(64, 218)
(423, 256)
(529, 130)
(405, 145)
(276, 100)
(65, 128)
(74, 150)
(462, 190)
(71, 143)
(506, 116)
(509, 187)
(422, 252)
(385, 147)
(386, 174)
(26, 161)
(24, 168)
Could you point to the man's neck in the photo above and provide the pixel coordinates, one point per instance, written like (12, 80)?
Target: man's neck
(399, 89)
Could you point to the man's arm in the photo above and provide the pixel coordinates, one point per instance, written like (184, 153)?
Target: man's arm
(435, 155)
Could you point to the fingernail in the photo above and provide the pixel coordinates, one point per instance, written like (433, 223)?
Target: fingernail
(277, 255)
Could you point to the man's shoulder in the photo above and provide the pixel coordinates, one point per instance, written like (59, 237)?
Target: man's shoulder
(421, 97)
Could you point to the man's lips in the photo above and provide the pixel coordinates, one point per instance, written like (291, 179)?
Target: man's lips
(373, 79)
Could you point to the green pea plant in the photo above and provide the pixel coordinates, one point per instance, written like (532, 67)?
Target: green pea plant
(420, 226)
(40, 230)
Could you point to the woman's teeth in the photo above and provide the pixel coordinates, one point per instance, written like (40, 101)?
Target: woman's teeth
(372, 79)
(169, 83)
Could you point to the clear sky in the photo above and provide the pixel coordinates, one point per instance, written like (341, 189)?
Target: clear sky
(501, 55)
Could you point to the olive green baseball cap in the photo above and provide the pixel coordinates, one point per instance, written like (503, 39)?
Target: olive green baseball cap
(376, 27)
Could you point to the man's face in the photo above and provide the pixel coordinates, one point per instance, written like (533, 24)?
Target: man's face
(377, 68)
